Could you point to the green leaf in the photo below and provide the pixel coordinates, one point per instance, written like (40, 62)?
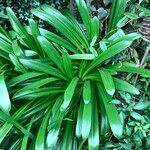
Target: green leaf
(34, 85)
(58, 40)
(54, 124)
(117, 35)
(136, 116)
(51, 52)
(55, 19)
(17, 50)
(68, 138)
(141, 106)
(25, 138)
(130, 68)
(144, 11)
(104, 128)
(18, 66)
(18, 27)
(115, 48)
(115, 17)
(87, 95)
(122, 22)
(5, 103)
(37, 93)
(125, 86)
(111, 111)
(35, 33)
(83, 56)
(5, 129)
(95, 27)
(93, 140)
(76, 24)
(5, 44)
(40, 140)
(86, 120)
(67, 65)
(23, 77)
(79, 120)
(11, 120)
(69, 93)
(82, 8)
(66, 22)
(107, 81)
(42, 67)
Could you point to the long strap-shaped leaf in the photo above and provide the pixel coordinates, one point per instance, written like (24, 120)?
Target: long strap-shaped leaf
(116, 13)
(5, 103)
(41, 67)
(67, 65)
(40, 140)
(84, 15)
(124, 67)
(77, 25)
(18, 27)
(11, 120)
(51, 52)
(95, 27)
(125, 86)
(5, 129)
(93, 140)
(63, 19)
(59, 26)
(5, 45)
(36, 93)
(86, 120)
(115, 48)
(25, 138)
(35, 33)
(111, 111)
(23, 77)
(54, 124)
(69, 93)
(87, 94)
(35, 85)
(79, 120)
(107, 81)
(104, 125)
(58, 40)
(68, 138)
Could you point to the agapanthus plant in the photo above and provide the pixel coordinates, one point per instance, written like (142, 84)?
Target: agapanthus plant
(61, 85)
